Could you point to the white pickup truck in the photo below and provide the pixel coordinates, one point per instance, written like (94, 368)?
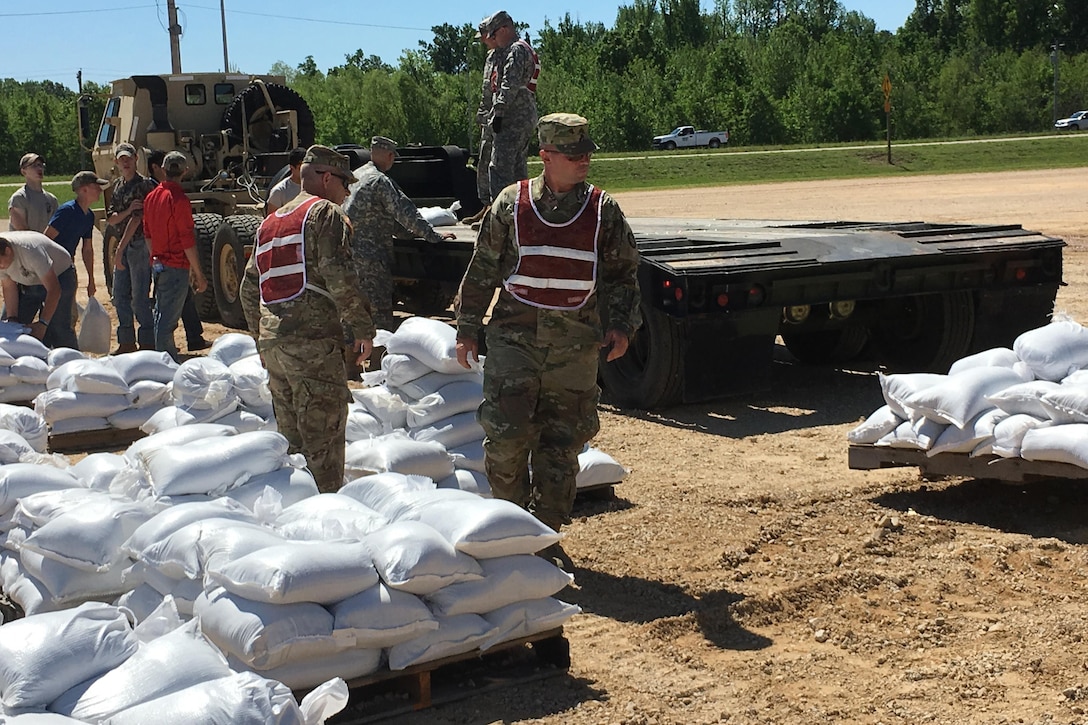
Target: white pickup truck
(687, 136)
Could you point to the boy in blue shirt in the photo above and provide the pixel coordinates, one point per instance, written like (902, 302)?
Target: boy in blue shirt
(73, 221)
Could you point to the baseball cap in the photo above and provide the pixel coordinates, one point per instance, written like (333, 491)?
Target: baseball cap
(383, 143)
(337, 163)
(30, 159)
(83, 178)
(174, 162)
(495, 21)
(567, 133)
(125, 149)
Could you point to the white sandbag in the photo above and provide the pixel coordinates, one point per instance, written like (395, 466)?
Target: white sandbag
(1023, 398)
(204, 384)
(67, 585)
(387, 493)
(434, 381)
(178, 555)
(40, 508)
(397, 452)
(304, 674)
(290, 483)
(507, 579)
(43, 656)
(1009, 434)
(60, 355)
(920, 434)
(469, 456)
(182, 592)
(438, 216)
(467, 480)
(245, 421)
(91, 376)
(251, 382)
(997, 357)
(524, 619)
(176, 437)
(481, 527)
(28, 424)
(595, 468)
(402, 369)
(382, 617)
(151, 672)
(1076, 378)
(298, 571)
(957, 399)
(321, 519)
(56, 404)
(128, 419)
(879, 423)
(451, 399)
(412, 557)
(24, 344)
(173, 416)
(954, 439)
(170, 520)
(457, 430)
(23, 589)
(220, 546)
(232, 347)
(89, 537)
(94, 328)
(141, 601)
(1062, 443)
(898, 387)
(243, 698)
(361, 425)
(432, 342)
(23, 479)
(149, 394)
(148, 365)
(383, 404)
(455, 635)
(80, 424)
(17, 392)
(1054, 351)
(266, 635)
(29, 369)
(1066, 404)
(215, 465)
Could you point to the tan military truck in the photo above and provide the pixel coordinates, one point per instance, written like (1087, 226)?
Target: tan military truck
(236, 130)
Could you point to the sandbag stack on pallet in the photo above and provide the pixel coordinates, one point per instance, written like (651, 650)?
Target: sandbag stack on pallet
(1028, 402)
(24, 364)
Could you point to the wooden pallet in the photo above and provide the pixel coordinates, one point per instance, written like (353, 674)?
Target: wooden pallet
(107, 439)
(1011, 470)
(389, 694)
(599, 491)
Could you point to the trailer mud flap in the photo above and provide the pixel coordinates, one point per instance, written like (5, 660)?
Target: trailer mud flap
(719, 362)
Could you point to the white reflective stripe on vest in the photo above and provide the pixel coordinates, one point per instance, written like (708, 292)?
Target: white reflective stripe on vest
(551, 251)
(549, 282)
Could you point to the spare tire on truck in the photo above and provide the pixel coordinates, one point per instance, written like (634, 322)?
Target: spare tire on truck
(249, 110)
(235, 235)
(207, 225)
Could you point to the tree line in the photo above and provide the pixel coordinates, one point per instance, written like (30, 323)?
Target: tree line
(770, 71)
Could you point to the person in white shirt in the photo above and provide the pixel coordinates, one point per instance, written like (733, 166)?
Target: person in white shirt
(291, 185)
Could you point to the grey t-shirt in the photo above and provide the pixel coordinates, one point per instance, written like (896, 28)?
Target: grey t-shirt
(283, 192)
(35, 254)
(36, 205)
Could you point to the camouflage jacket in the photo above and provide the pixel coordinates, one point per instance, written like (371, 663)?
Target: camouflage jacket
(379, 210)
(329, 266)
(489, 86)
(124, 194)
(513, 99)
(614, 304)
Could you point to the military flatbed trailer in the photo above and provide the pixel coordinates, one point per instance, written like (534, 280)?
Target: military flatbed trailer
(717, 294)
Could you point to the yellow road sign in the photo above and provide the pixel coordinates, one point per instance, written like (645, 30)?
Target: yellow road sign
(887, 86)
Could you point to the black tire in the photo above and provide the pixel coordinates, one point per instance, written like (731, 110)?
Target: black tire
(714, 143)
(827, 346)
(651, 374)
(229, 263)
(426, 297)
(111, 239)
(924, 332)
(670, 145)
(207, 226)
(249, 109)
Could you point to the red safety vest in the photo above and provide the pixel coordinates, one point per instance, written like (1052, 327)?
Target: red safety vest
(531, 85)
(281, 254)
(557, 263)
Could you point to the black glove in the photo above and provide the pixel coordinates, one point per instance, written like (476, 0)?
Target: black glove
(496, 124)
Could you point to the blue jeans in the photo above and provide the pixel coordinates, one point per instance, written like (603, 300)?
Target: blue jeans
(132, 296)
(171, 286)
(60, 332)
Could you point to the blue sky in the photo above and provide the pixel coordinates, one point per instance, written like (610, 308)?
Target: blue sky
(126, 37)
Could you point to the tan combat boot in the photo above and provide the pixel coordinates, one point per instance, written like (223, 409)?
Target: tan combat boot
(477, 217)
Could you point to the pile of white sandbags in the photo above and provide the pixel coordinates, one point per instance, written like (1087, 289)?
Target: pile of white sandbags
(90, 665)
(24, 364)
(1028, 402)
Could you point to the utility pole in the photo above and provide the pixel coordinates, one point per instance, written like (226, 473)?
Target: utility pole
(1054, 57)
(175, 37)
(223, 21)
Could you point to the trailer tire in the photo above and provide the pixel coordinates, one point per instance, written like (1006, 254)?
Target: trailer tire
(250, 110)
(827, 346)
(651, 374)
(206, 227)
(924, 332)
(235, 234)
(425, 297)
(111, 239)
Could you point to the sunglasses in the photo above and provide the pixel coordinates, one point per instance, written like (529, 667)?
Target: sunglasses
(36, 165)
(575, 158)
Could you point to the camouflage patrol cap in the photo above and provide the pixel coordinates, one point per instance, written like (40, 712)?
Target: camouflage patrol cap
(493, 22)
(567, 133)
(29, 160)
(334, 162)
(174, 163)
(125, 149)
(384, 144)
(85, 178)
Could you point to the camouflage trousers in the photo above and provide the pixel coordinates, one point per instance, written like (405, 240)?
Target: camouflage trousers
(377, 280)
(483, 183)
(539, 410)
(310, 400)
(509, 151)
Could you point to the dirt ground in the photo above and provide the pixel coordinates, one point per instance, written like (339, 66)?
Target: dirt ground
(744, 574)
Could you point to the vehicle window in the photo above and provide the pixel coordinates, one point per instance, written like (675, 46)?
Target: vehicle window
(108, 131)
(195, 94)
(224, 93)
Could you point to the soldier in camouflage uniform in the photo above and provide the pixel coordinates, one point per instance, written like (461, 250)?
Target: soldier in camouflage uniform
(513, 112)
(378, 209)
(299, 312)
(564, 260)
(483, 120)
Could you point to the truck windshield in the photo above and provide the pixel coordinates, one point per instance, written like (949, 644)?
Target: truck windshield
(108, 131)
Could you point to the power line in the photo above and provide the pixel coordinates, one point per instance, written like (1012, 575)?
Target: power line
(71, 12)
(310, 20)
